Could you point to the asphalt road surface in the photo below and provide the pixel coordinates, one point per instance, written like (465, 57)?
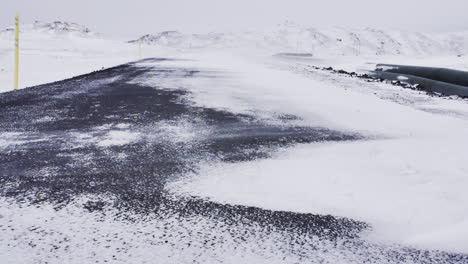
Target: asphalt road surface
(103, 135)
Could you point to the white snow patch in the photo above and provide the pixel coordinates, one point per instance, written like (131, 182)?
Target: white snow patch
(387, 68)
(122, 125)
(11, 139)
(118, 138)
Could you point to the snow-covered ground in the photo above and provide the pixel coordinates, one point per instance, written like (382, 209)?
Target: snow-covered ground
(55, 51)
(408, 180)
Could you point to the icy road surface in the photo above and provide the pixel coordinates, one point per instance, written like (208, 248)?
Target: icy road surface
(171, 161)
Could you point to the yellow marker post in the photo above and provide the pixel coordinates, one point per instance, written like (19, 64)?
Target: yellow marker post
(139, 49)
(17, 20)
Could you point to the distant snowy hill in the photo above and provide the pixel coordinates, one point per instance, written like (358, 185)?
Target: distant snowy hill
(290, 37)
(56, 28)
(60, 27)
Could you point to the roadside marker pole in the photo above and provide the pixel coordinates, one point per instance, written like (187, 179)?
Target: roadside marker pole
(139, 49)
(17, 20)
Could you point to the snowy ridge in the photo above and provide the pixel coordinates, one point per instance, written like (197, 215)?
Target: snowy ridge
(60, 27)
(290, 37)
(55, 28)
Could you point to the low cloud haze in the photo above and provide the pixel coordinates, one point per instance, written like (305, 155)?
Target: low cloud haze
(125, 19)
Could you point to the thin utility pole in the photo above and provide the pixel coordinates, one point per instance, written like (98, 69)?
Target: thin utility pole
(17, 29)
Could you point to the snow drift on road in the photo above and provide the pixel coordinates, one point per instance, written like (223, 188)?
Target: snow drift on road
(408, 180)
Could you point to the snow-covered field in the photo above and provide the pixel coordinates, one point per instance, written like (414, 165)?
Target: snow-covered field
(408, 180)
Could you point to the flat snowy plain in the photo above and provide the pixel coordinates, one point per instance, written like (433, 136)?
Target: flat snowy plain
(407, 180)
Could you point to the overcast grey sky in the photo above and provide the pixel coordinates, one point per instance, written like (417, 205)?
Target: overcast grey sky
(130, 18)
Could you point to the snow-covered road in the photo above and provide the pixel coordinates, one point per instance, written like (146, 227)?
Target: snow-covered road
(160, 160)
(227, 154)
(102, 148)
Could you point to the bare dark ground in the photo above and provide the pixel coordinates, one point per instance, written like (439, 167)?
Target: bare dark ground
(56, 156)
